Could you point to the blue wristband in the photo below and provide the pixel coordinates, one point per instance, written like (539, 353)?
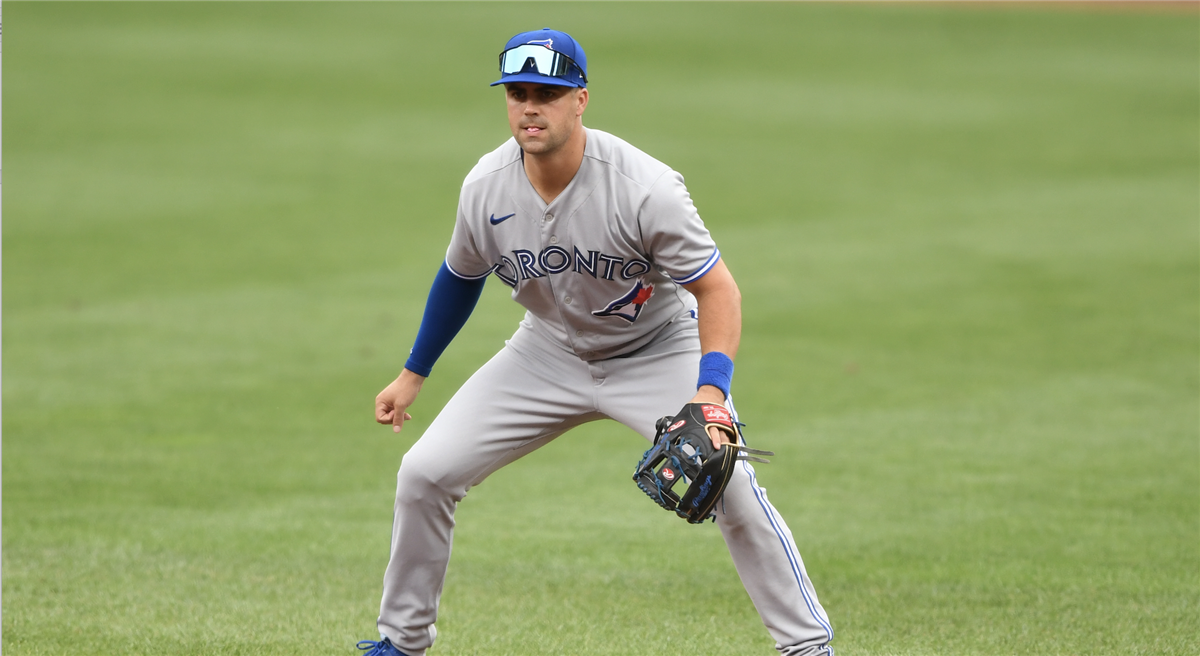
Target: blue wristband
(716, 369)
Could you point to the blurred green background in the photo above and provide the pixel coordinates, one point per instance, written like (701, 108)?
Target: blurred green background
(967, 237)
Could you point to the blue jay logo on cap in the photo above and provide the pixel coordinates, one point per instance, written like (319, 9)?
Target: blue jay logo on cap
(549, 43)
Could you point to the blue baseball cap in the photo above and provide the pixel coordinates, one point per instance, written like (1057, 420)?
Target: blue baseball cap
(544, 56)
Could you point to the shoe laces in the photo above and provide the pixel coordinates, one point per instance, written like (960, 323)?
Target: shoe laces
(379, 648)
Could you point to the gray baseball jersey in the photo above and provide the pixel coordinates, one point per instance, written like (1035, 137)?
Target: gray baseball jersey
(599, 268)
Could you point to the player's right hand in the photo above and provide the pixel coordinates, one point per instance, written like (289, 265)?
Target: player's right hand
(392, 403)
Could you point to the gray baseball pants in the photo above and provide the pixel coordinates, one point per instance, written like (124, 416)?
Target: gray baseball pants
(531, 392)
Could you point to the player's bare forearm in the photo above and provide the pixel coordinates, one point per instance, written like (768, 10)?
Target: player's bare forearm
(720, 316)
(720, 310)
(392, 403)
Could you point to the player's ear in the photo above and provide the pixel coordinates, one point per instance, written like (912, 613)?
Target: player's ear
(581, 97)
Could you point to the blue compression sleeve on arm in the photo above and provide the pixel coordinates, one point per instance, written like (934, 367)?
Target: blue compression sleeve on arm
(451, 301)
(716, 369)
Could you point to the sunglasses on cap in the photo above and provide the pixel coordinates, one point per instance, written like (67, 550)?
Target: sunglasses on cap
(544, 60)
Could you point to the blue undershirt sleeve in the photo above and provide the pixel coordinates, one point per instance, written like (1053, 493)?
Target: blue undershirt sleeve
(451, 301)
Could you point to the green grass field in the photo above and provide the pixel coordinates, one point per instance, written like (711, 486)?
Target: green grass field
(967, 237)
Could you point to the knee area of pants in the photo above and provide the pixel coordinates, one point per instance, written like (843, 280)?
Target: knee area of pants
(416, 483)
(731, 523)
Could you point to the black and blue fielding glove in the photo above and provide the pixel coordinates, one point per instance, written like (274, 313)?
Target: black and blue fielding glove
(683, 451)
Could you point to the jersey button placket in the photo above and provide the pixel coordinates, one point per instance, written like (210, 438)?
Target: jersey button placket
(553, 240)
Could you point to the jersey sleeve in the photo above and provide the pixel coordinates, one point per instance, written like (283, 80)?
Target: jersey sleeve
(673, 233)
(466, 257)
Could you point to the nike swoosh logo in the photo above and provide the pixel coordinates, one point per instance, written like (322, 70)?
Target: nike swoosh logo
(500, 220)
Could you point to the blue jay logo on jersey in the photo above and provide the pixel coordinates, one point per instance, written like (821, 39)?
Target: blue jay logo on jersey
(629, 306)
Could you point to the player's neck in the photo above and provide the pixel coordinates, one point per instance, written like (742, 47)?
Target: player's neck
(550, 173)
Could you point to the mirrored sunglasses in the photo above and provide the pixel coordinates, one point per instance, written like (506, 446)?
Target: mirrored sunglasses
(544, 60)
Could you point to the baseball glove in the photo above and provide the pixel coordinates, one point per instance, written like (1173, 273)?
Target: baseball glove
(685, 452)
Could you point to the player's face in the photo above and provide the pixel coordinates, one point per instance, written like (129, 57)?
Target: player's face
(544, 116)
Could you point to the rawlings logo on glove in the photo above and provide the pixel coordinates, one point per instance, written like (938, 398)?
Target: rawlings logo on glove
(717, 414)
(683, 451)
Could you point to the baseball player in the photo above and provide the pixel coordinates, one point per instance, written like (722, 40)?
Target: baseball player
(630, 313)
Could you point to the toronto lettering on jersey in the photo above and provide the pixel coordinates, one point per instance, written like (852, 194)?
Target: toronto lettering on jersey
(526, 265)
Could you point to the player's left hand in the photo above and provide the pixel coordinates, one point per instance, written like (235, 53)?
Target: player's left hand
(711, 394)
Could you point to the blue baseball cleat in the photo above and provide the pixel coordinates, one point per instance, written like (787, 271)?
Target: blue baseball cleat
(382, 648)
